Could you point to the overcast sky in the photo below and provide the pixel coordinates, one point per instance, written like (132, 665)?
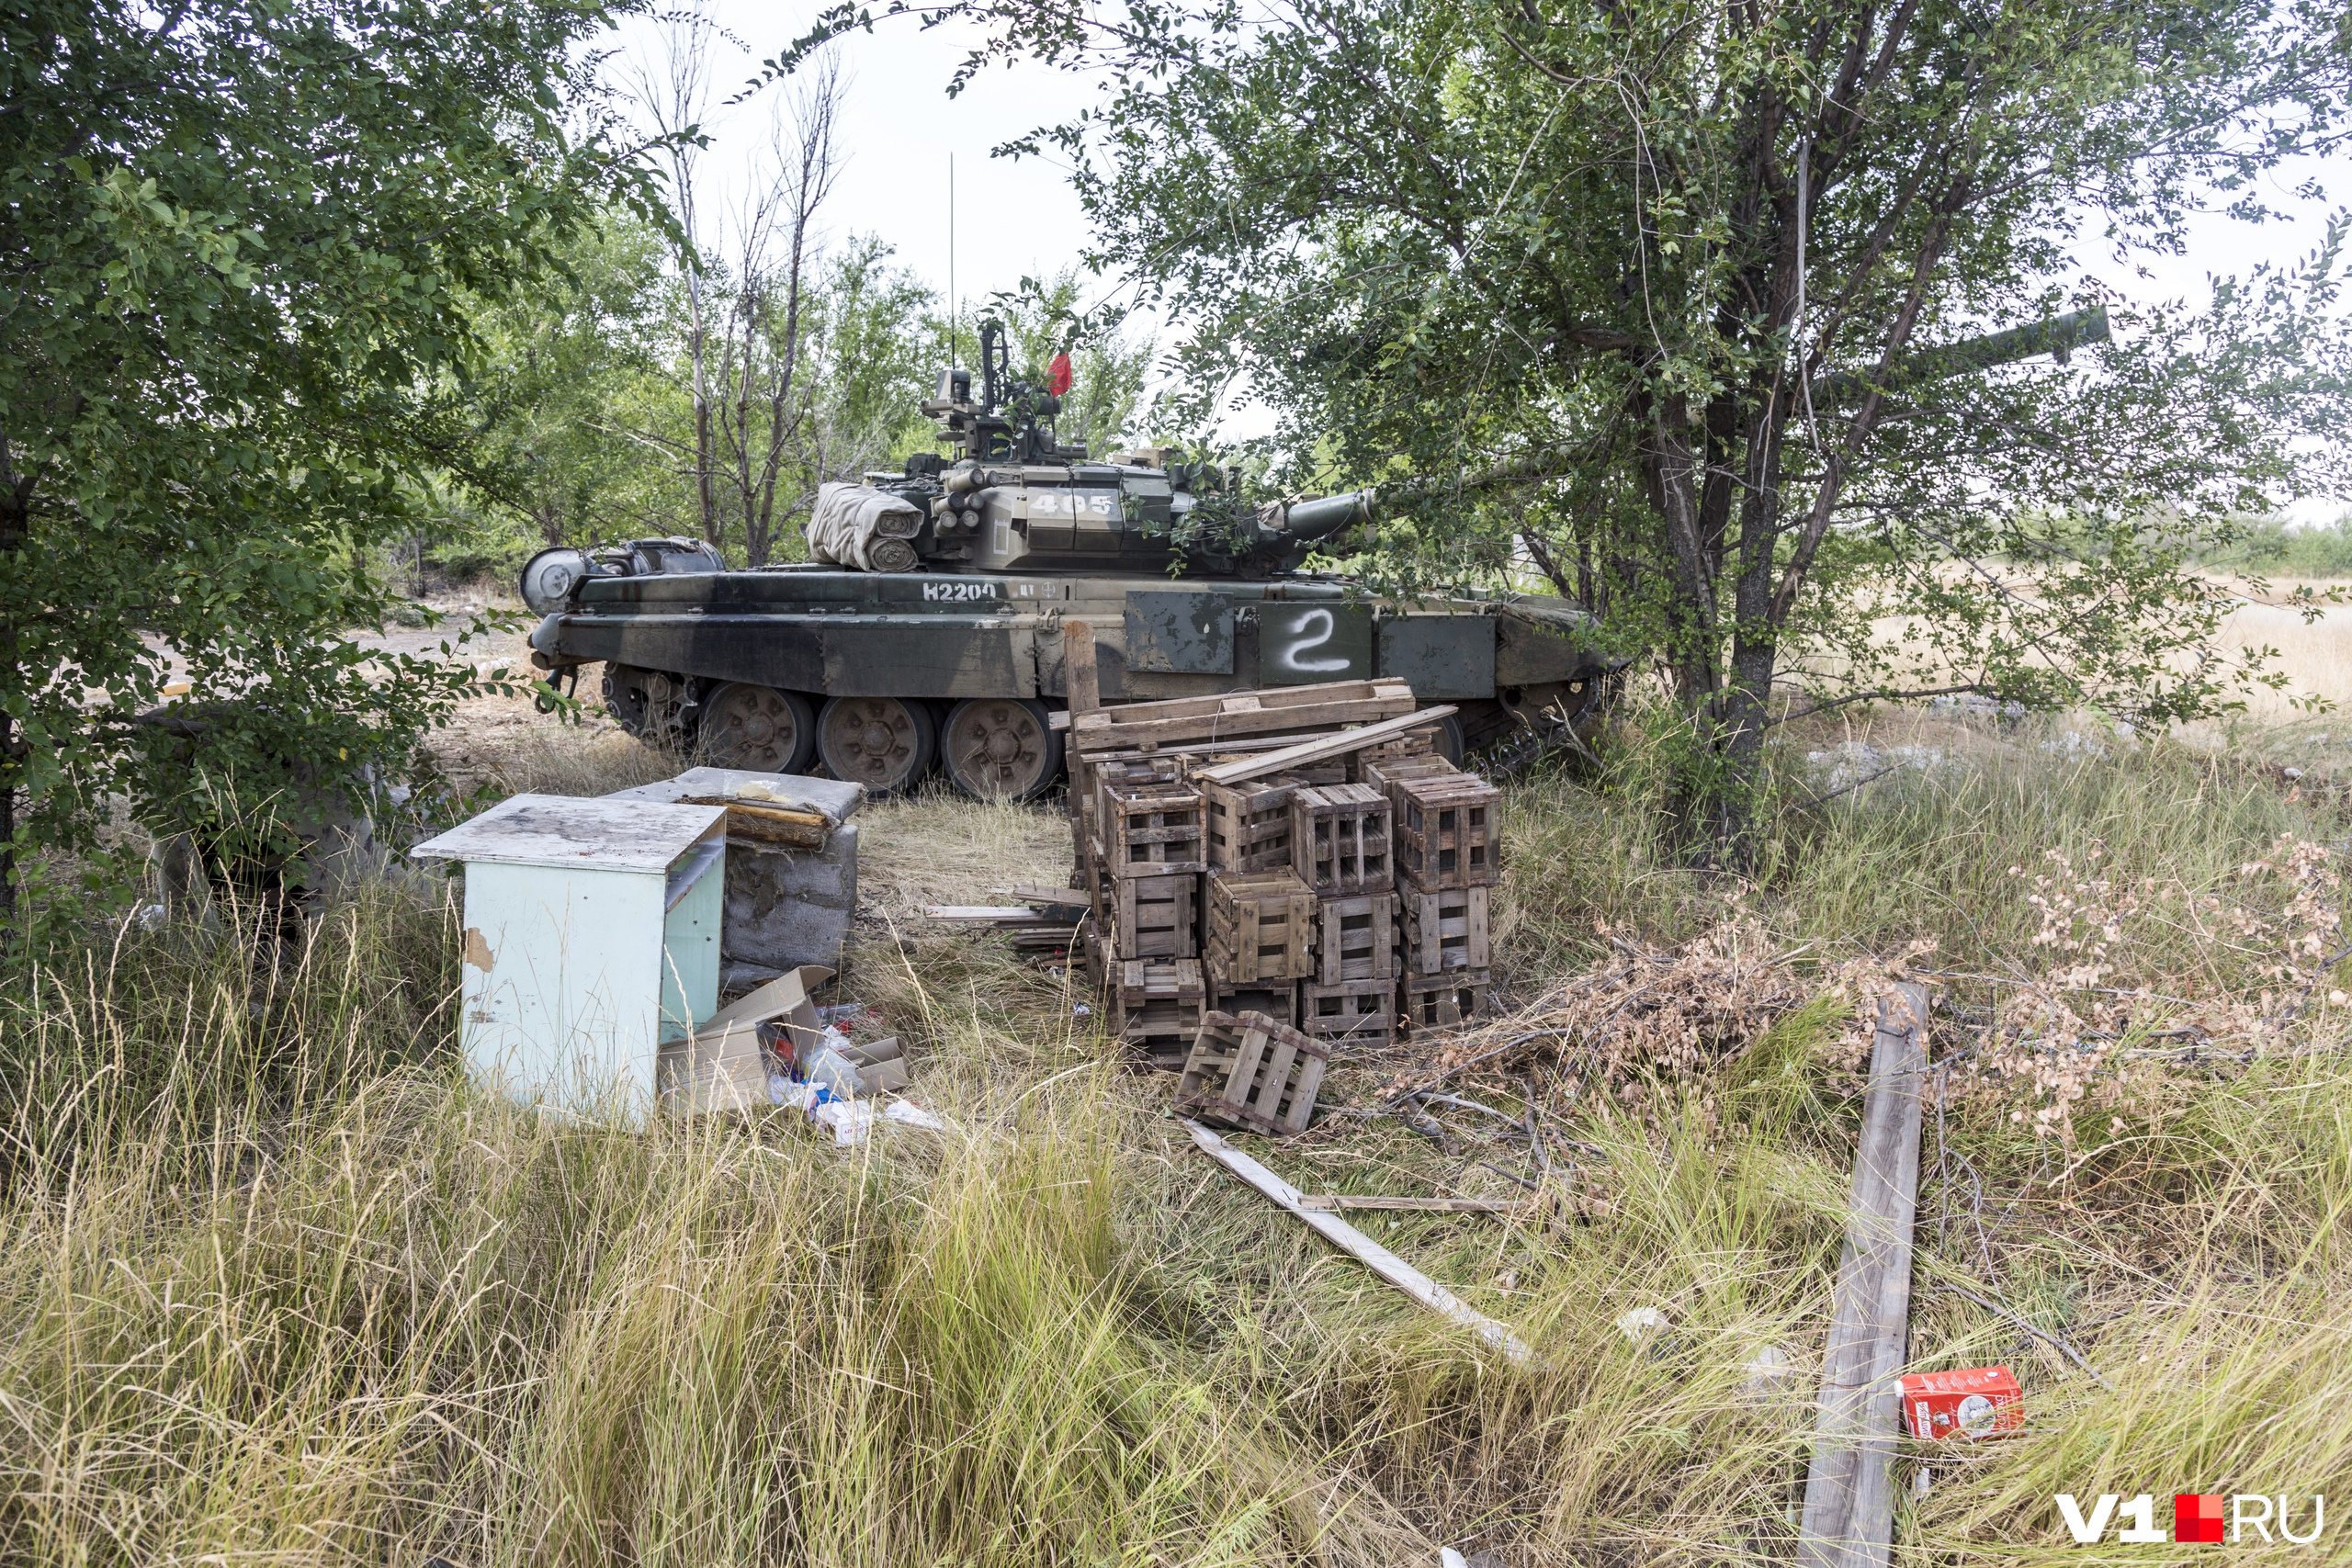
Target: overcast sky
(1017, 217)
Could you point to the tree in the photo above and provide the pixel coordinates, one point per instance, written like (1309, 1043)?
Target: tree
(561, 368)
(1643, 294)
(780, 347)
(240, 245)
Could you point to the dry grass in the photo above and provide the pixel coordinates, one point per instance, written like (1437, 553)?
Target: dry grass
(274, 1283)
(941, 847)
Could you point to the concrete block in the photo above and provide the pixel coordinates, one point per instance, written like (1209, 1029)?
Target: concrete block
(834, 798)
(783, 907)
(786, 907)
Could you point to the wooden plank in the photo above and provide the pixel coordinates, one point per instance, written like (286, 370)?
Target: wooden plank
(1327, 1203)
(1362, 1248)
(1272, 699)
(1082, 682)
(1234, 715)
(1320, 747)
(1050, 898)
(1848, 1494)
(987, 915)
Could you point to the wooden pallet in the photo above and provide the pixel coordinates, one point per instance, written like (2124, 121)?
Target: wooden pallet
(1446, 831)
(1157, 1010)
(1156, 917)
(1253, 1071)
(1149, 830)
(1355, 939)
(1340, 839)
(1260, 926)
(1444, 927)
(1234, 715)
(1101, 955)
(1356, 1013)
(1440, 1001)
(1277, 999)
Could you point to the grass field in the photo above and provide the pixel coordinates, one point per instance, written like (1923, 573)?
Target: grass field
(279, 1287)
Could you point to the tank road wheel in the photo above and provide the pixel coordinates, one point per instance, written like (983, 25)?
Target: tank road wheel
(759, 728)
(1000, 749)
(884, 743)
(644, 702)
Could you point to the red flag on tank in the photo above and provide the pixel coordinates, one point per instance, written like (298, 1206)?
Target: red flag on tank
(1057, 376)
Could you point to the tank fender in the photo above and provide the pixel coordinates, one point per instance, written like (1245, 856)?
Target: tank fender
(1535, 643)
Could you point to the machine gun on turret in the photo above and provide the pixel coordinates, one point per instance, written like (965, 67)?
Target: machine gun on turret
(1010, 421)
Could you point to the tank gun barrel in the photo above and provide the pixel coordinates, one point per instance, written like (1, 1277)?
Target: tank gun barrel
(1321, 518)
(2060, 335)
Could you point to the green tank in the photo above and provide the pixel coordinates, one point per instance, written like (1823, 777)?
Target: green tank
(928, 635)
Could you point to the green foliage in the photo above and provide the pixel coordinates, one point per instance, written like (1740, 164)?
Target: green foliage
(245, 245)
(562, 368)
(2269, 547)
(1651, 299)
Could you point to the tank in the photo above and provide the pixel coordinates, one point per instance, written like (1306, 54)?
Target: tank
(928, 633)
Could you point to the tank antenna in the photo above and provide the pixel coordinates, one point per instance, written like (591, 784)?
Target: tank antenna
(954, 305)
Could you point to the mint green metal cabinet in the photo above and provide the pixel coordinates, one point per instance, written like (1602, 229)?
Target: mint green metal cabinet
(591, 931)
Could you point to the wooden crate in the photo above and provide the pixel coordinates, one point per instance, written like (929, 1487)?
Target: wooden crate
(1446, 831)
(1250, 1071)
(1384, 773)
(1440, 1001)
(1101, 955)
(1156, 917)
(1277, 999)
(1260, 926)
(1149, 830)
(1156, 1009)
(1086, 777)
(1355, 939)
(1444, 927)
(1356, 1013)
(1413, 746)
(1248, 825)
(1340, 838)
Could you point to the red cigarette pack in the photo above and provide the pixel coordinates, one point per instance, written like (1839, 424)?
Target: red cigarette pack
(1978, 1402)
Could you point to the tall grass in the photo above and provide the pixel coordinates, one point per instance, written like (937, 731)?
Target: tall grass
(275, 1283)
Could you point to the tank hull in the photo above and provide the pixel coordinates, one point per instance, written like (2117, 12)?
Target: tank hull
(941, 638)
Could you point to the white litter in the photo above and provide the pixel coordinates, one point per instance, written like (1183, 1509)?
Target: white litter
(1641, 1323)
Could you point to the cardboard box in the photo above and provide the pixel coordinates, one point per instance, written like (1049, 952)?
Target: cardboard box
(1979, 1402)
(725, 1064)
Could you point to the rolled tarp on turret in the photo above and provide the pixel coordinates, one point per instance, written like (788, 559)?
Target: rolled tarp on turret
(857, 525)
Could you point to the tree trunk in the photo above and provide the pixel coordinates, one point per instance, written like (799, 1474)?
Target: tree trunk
(16, 527)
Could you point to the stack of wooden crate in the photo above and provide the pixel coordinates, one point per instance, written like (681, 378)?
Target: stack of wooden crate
(1446, 823)
(1230, 878)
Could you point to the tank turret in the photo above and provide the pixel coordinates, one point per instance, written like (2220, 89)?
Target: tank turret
(1012, 496)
